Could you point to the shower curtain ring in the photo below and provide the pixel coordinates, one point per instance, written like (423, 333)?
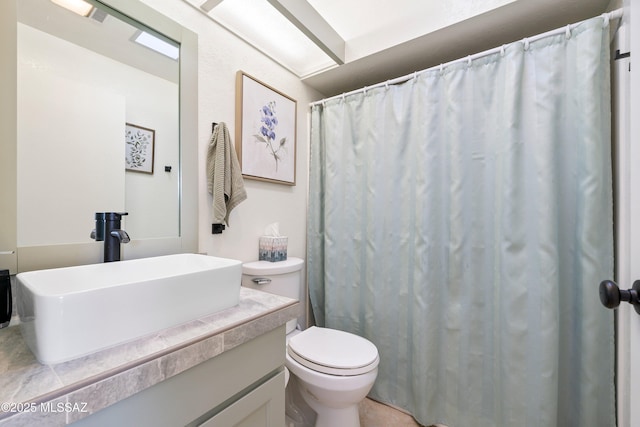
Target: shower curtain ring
(605, 20)
(568, 32)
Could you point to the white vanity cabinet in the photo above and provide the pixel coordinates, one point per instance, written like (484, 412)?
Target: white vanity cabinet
(243, 386)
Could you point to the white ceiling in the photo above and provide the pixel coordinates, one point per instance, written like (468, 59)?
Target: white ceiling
(371, 26)
(111, 38)
(383, 39)
(354, 43)
(509, 23)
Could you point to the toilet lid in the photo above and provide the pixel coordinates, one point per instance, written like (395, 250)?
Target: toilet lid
(333, 352)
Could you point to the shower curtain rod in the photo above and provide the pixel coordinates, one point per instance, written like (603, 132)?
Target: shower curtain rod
(615, 14)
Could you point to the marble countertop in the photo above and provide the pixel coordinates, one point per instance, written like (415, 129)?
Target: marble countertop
(56, 395)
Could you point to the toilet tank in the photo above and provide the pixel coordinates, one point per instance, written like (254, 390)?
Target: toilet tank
(281, 278)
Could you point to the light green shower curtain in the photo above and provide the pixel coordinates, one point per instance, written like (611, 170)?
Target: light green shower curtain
(462, 222)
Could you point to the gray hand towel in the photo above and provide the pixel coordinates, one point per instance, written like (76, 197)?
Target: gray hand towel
(224, 177)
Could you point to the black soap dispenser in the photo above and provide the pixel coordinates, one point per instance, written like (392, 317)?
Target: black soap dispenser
(5, 299)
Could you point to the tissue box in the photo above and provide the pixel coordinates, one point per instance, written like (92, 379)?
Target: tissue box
(272, 249)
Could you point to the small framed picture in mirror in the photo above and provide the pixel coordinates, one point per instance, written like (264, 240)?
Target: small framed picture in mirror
(139, 146)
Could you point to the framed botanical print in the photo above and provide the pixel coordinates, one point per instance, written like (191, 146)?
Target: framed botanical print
(265, 131)
(139, 147)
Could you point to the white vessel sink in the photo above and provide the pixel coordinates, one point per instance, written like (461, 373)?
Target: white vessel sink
(71, 312)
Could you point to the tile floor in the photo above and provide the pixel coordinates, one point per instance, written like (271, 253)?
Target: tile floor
(375, 414)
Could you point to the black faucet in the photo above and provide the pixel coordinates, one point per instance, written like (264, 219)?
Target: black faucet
(108, 229)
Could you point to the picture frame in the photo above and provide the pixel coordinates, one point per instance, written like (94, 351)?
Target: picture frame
(139, 148)
(265, 131)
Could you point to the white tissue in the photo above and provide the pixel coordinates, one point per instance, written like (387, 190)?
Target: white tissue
(272, 230)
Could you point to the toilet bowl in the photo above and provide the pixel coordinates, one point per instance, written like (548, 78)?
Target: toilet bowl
(332, 370)
(335, 371)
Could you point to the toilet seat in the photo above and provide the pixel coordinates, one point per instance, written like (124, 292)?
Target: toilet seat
(333, 352)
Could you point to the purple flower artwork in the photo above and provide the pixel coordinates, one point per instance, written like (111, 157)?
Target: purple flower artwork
(267, 132)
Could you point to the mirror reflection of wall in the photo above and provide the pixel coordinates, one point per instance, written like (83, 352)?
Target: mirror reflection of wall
(80, 80)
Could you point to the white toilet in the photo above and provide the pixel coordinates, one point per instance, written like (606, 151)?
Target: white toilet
(333, 370)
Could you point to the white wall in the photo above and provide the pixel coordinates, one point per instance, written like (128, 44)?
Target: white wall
(220, 55)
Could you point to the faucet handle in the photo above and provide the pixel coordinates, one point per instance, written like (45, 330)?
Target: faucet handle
(98, 233)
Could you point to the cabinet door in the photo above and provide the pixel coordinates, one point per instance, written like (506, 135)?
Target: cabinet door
(262, 407)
